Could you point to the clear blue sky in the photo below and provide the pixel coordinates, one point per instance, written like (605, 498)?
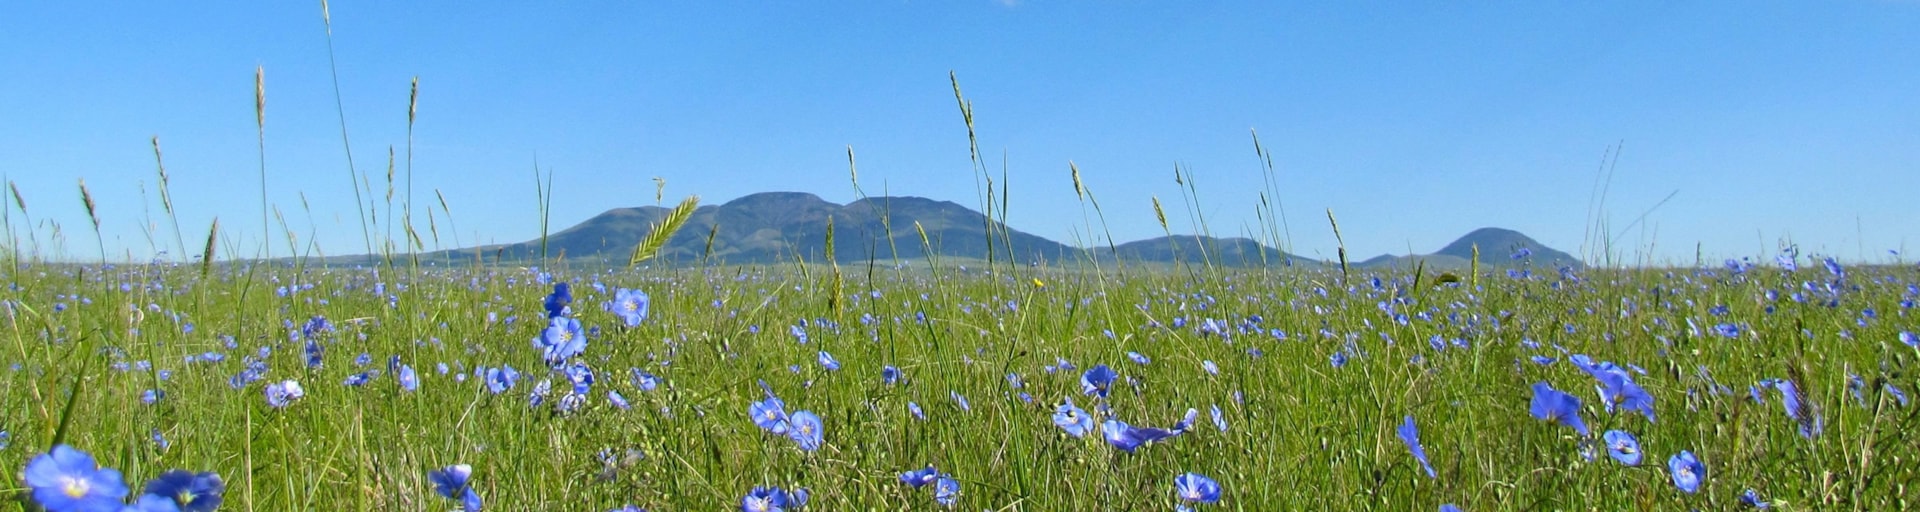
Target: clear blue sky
(1414, 123)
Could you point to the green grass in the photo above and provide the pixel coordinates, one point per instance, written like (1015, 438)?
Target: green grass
(1304, 435)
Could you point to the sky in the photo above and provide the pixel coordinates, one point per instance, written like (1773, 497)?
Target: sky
(1757, 123)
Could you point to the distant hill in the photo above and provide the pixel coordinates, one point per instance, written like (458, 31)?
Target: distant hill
(1233, 252)
(775, 227)
(1498, 248)
(782, 227)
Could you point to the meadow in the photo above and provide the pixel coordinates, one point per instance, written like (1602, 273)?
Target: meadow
(406, 383)
(921, 388)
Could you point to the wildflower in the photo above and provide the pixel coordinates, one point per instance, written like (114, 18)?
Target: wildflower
(771, 499)
(1219, 420)
(1072, 419)
(805, 429)
(1687, 471)
(1797, 409)
(190, 492)
(539, 394)
(283, 393)
(454, 482)
(629, 305)
(501, 379)
(920, 477)
(946, 491)
(960, 401)
(1186, 421)
(1622, 446)
(618, 401)
(1552, 405)
(1137, 358)
(918, 414)
(1196, 488)
(557, 301)
(581, 376)
(769, 414)
(827, 361)
(1211, 369)
(1616, 386)
(645, 381)
(561, 339)
(358, 379)
(409, 380)
(889, 375)
(1410, 434)
(67, 479)
(1128, 438)
(314, 353)
(1752, 499)
(1097, 380)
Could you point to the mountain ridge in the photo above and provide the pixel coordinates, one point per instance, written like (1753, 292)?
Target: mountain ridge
(780, 227)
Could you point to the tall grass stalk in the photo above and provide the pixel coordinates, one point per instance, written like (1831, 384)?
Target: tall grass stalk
(354, 177)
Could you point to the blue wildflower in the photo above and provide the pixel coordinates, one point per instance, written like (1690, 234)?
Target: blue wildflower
(1072, 419)
(190, 492)
(1752, 499)
(827, 361)
(1137, 358)
(1797, 409)
(769, 414)
(1196, 488)
(455, 482)
(561, 339)
(1219, 420)
(645, 381)
(1687, 471)
(1552, 405)
(1622, 446)
(771, 499)
(501, 379)
(1097, 380)
(283, 393)
(409, 380)
(629, 305)
(946, 491)
(557, 301)
(920, 477)
(1128, 438)
(1410, 434)
(67, 479)
(889, 375)
(805, 429)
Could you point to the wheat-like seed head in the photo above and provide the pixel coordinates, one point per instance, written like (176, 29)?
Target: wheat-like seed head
(662, 231)
(1078, 190)
(413, 101)
(260, 96)
(87, 198)
(18, 200)
(206, 255)
(1159, 214)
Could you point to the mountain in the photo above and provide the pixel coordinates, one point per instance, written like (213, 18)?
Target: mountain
(780, 227)
(775, 227)
(1232, 252)
(1498, 248)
